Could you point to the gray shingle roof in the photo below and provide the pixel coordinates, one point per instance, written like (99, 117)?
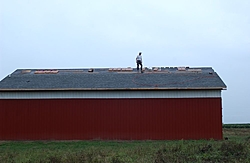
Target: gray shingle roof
(104, 78)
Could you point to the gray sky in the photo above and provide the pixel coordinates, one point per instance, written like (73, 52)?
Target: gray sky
(79, 33)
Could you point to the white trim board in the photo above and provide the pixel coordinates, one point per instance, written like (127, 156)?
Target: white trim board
(110, 94)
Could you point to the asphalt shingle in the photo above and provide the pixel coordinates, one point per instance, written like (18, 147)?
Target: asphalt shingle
(102, 78)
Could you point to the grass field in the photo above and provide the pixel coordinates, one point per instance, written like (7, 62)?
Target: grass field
(235, 149)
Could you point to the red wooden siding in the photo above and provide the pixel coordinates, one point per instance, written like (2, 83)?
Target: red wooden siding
(127, 119)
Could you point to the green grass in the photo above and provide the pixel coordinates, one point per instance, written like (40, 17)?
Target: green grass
(235, 149)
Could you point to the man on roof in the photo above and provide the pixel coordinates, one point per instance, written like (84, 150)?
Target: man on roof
(139, 61)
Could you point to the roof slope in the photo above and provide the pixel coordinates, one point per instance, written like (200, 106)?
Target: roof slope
(112, 79)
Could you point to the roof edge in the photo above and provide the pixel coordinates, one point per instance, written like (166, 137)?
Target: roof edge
(111, 89)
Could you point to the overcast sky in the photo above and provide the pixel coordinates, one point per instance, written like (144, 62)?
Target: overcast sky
(109, 33)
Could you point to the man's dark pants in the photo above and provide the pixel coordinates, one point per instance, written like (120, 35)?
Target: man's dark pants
(139, 63)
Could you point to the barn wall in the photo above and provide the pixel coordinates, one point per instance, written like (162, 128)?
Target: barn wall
(126, 119)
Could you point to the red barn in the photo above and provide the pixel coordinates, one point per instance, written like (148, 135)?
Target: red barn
(163, 103)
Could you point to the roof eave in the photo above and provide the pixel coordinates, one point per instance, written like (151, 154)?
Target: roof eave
(113, 89)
